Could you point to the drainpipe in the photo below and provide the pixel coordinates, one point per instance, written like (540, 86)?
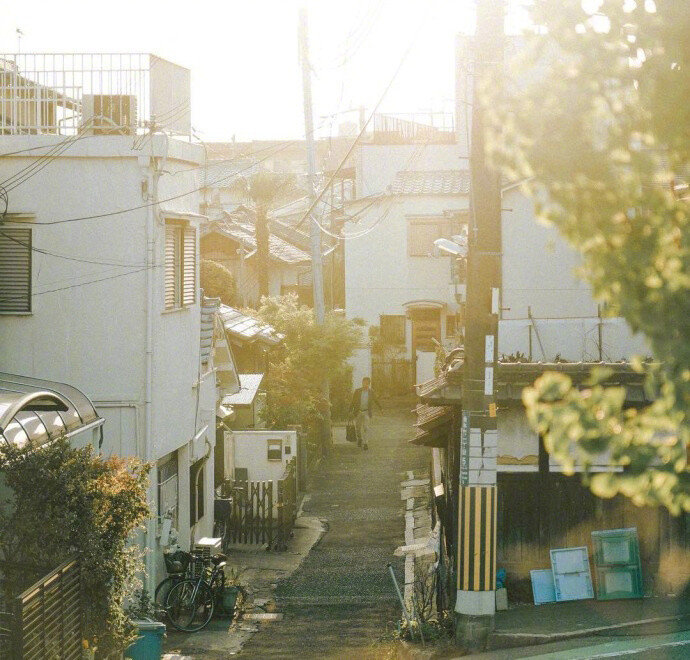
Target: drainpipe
(154, 174)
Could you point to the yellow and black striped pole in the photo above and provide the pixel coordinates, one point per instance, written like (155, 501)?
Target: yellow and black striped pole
(477, 538)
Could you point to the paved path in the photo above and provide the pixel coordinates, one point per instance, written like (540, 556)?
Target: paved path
(340, 600)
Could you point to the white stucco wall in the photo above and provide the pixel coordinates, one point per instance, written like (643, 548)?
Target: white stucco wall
(251, 452)
(380, 277)
(539, 278)
(377, 164)
(87, 326)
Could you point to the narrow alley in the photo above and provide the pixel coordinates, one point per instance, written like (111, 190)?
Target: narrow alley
(341, 600)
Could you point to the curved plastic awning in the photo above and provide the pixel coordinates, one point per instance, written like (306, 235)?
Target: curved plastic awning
(37, 411)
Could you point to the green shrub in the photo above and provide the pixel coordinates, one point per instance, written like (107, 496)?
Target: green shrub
(68, 502)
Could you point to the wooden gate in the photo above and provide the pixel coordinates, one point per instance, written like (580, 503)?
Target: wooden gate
(48, 617)
(262, 514)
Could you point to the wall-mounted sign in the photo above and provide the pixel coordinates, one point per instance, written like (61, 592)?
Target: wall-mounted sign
(465, 449)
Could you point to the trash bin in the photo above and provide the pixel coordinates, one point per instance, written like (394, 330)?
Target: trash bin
(149, 644)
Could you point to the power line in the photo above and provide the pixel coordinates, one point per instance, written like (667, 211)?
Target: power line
(280, 149)
(364, 127)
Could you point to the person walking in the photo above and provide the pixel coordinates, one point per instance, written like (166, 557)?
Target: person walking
(361, 410)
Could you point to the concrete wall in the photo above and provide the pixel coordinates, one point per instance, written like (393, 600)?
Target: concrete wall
(251, 451)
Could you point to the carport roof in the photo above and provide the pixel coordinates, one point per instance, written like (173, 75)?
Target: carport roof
(37, 411)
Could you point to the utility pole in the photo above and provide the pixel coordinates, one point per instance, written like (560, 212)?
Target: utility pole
(315, 231)
(478, 499)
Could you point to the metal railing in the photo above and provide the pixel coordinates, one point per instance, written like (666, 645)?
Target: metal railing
(406, 128)
(102, 93)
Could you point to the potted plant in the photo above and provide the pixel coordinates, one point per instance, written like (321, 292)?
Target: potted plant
(234, 593)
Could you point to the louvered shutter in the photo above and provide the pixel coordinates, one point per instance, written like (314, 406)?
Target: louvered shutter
(15, 269)
(189, 266)
(170, 266)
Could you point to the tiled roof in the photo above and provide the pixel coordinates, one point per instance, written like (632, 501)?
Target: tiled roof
(223, 173)
(246, 328)
(249, 386)
(432, 182)
(209, 307)
(243, 232)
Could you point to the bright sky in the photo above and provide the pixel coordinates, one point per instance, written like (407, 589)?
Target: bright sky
(246, 79)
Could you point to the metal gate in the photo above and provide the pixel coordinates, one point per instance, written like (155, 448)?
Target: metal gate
(48, 617)
(392, 377)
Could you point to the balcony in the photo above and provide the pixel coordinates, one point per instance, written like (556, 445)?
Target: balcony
(411, 128)
(92, 93)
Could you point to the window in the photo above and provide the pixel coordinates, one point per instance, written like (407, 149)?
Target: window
(422, 232)
(196, 492)
(392, 329)
(15, 269)
(168, 489)
(180, 265)
(275, 450)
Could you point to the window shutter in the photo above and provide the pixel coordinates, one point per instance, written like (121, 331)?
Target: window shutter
(189, 266)
(170, 269)
(15, 269)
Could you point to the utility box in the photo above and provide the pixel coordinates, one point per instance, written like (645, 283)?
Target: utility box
(617, 564)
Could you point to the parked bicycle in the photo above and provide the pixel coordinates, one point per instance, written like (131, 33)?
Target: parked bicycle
(180, 565)
(191, 601)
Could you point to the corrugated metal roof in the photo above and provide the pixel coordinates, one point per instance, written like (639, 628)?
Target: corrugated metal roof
(38, 411)
(249, 386)
(246, 328)
(209, 307)
(431, 182)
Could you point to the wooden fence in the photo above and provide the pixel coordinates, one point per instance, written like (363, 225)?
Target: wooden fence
(263, 512)
(539, 512)
(48, 617)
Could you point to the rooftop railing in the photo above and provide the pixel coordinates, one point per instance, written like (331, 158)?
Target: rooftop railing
(407, 128)
(98, 93)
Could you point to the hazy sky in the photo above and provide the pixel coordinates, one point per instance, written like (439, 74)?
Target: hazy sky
(246, 79)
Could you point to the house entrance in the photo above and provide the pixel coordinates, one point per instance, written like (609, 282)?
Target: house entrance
(426, 327)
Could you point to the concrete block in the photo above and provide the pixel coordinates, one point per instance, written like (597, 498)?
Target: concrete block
(501, 599)
(489, 452)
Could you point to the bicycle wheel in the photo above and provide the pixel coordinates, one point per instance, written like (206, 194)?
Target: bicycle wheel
(162, 591)
(190, 605)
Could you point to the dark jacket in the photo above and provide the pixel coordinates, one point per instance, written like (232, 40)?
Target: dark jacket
(355, 405)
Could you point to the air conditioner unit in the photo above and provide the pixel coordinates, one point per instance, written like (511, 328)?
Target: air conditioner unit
(109, 114)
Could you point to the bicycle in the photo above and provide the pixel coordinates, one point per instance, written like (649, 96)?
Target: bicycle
(191, 602)
(180, 566)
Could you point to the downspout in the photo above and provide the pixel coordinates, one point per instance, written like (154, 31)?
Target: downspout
(152, 216)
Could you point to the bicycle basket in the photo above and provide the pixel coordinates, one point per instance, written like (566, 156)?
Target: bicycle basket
(176, 562)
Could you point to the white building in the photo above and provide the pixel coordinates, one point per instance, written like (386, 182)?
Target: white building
(394, 279)
(99, 266)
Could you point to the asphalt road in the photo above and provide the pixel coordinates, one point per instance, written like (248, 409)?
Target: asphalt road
(341, 600)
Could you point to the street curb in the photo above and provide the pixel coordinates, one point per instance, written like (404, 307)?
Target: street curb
(505, 640)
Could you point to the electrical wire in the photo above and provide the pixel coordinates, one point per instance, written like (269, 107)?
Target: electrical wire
(402, 61)
(280, 149)
(416, 154)
(18, 177)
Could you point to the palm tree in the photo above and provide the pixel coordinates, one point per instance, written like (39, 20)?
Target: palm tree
(262, 192)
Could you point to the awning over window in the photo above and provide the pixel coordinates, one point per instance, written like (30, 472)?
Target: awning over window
(249, 386)
(38, 411)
